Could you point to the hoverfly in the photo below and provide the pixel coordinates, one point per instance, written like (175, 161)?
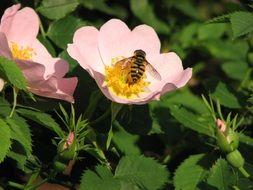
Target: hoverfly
(137, 64)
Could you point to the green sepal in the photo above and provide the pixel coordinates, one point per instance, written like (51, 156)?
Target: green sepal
(67, 154)
(227, 141)
(222, 142)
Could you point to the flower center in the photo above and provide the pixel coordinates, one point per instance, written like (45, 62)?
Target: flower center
(117, 77)
(20, 52)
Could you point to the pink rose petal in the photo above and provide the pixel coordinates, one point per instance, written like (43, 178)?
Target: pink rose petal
(7, 17)
(23, 28)
(87, 54)
(4, 47)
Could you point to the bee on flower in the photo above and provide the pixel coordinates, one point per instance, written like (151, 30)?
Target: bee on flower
(127, 64)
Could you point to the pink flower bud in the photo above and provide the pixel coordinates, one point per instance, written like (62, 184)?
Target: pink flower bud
(69, 140)
(221, 125)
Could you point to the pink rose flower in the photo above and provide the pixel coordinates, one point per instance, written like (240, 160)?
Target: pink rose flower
(44, 74)
(98, 52)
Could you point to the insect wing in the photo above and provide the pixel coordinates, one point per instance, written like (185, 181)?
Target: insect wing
(152, 71)
(125, 63)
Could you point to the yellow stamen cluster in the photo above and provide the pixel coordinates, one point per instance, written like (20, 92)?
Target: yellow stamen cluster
(116, 80)
(20, 52)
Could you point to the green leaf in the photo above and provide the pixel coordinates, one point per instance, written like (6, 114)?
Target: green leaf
(61, 31)
(235, 69)
(47, 44)
(226, 95)
(43, 119)
(222, 177)
(245, 139)
(188, 34)
(184, 98)
(190, 173)
(5, 108)
(145, 173)
(227, 50)
(115, 108)
(211, 31)
(5, 139)
(20, 132)
(57, 9)
(100, 5)
(143, 7)
(245, 183)
(10, 72)
(124, 141)
(242, 23)
(188, 8)
(19, 158)
(192, 121)
(220, 19)
(100, 179)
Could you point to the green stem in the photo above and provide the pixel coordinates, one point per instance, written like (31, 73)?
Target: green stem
(244, 172)
(16, 185)
(15, 94)
(43, 33)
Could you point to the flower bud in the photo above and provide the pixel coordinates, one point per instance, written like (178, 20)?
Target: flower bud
(235, 159)
(221, 125)
(227, 139)
(67, 149)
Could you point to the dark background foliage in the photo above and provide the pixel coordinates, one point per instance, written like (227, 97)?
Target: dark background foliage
(177, 131)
